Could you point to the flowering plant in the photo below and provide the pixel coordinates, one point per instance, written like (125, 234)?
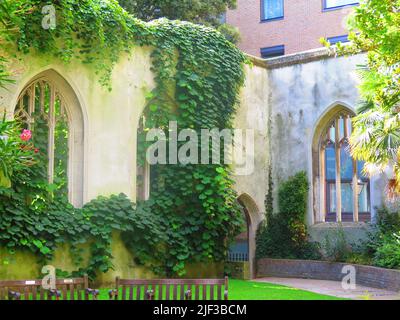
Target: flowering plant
(16, 150)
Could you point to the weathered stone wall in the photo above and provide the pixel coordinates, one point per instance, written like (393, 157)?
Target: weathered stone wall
(304, 88)
(110, 118)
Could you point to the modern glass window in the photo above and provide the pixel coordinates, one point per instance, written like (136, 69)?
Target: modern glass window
(335, 40)
(330, 4)
(272, 52)
(272, 9)
(346, 187)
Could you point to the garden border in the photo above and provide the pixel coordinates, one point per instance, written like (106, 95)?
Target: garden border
(321, 270)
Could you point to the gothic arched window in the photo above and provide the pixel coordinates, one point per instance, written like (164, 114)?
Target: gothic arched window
(345, 188)
(49, 108)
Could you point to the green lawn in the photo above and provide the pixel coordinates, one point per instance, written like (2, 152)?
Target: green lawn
(248, 290)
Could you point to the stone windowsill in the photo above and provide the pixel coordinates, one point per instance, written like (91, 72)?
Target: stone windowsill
(331, 225)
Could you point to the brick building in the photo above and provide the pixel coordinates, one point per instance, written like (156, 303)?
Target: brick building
(277, 27)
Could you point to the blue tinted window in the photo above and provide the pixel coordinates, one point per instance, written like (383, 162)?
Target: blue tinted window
(272, 52)
(330, 163)
(272, 9)
(346, 164)
(342, 39)
(360, 167)
(328, 4)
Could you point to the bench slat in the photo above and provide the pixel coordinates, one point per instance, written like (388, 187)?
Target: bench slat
(34, 293)
(212, 292)
(219, 292)
(175, 291)
(123, 292)
(167, 292)
(197, 292)
(26, 293)
(71, 292)
(138, 291)
(158, 292)
(130, 292)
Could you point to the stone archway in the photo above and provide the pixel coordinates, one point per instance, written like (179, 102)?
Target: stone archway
(253, 218)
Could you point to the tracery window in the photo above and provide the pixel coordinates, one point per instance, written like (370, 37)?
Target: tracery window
(42, 109)
(346, 189)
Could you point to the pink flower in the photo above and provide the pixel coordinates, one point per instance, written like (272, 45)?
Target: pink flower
(26, 135)
(36, 150)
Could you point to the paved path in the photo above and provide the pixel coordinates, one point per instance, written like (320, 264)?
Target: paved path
(334, 288)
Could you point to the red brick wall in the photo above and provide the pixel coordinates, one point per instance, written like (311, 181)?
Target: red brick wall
(304, 24)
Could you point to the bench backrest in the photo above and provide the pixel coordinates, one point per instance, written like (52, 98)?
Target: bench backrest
(171, 289)
(66, 289)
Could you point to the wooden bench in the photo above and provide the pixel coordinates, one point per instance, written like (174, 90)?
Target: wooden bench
(66, 289)
(170, 289)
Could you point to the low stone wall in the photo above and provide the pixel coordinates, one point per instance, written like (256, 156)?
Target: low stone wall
(319, 270)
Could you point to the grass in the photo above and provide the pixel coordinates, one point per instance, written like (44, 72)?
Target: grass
(249, 290)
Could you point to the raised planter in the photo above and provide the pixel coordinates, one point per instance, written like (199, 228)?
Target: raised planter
(320, 270)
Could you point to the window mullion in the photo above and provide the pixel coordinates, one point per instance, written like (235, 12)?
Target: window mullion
(31, 107)
(355, 191)
(323, 186)
(52, 121)
(338, 177)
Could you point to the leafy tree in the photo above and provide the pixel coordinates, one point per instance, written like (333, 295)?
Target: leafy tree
(207, 12)
(375, 29)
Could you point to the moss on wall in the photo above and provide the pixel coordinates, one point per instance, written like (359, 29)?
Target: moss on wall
(24, 265)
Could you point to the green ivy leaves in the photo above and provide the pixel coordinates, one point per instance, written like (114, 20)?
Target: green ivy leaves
(192, 211)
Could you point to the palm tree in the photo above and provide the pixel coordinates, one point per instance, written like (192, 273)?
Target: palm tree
(376, 140)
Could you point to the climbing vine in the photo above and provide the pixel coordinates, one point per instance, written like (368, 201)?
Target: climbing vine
(192, 210)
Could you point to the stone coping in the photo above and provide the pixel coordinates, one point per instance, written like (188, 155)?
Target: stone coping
(368, 276)
(293, 59)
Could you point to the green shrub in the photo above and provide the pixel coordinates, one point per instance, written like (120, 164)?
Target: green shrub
(284, 235)
(383, 245)
(387, 255)
(336, 248)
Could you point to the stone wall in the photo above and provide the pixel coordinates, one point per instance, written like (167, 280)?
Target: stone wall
(319, 270)
(283, 101)
(304, 90)
(109, 123)
(110, 119)
(25, 265)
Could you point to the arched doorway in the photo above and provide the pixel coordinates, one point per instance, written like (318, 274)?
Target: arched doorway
(239, 249)
(243, 249)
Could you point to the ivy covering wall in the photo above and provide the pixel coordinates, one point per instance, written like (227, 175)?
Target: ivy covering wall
(192, 212)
